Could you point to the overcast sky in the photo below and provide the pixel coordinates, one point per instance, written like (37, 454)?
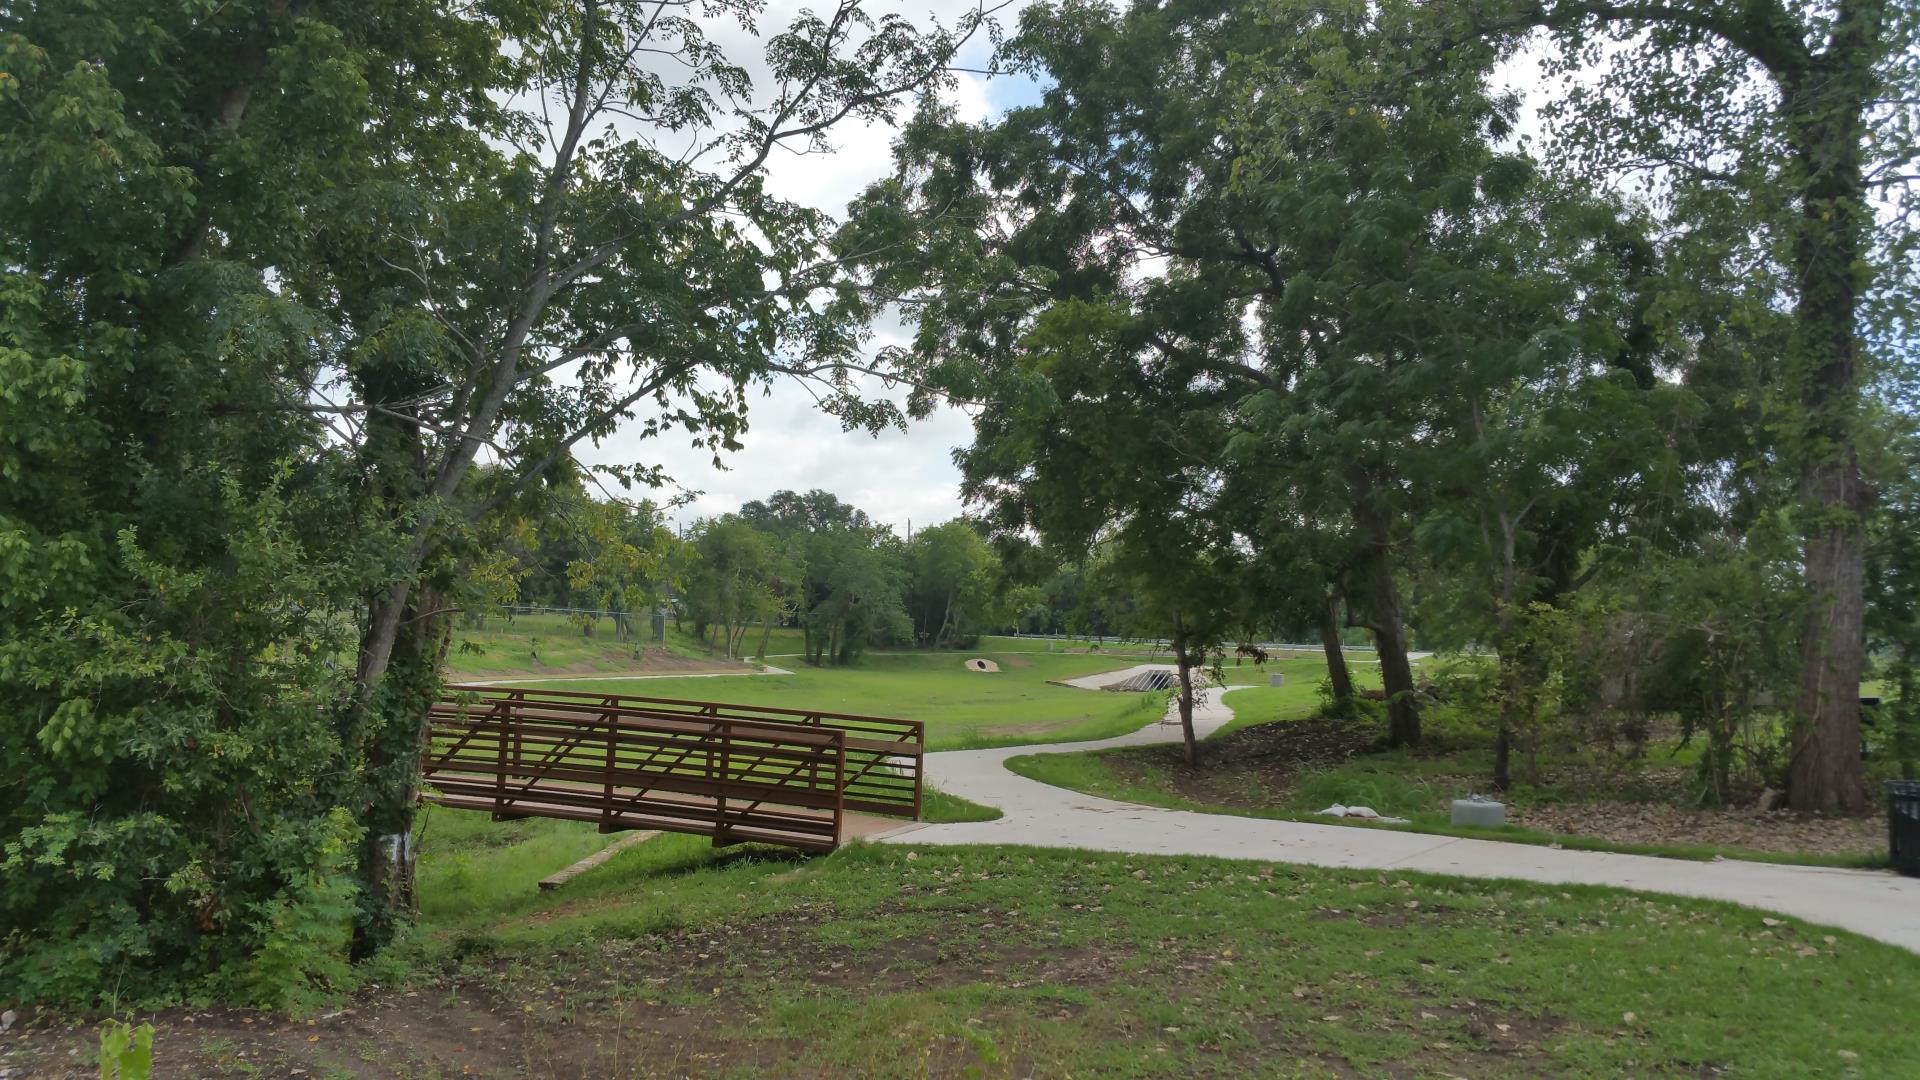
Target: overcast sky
(897, 477)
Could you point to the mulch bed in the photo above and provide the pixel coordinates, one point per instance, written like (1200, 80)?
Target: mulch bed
(1256, 768)
(1316, 742)
(1659, 823)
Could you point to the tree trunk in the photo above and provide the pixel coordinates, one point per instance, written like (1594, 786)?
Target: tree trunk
(1383, 602)
(1720, 759)
(1185, 664)
(1331, 644)
(1396, 672)
(396, 678)
(1825, 128)
(946, 621)
(766, 634)
(1503, 739)
(396, 715)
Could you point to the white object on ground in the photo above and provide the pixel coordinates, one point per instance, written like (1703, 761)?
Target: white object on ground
(1878, 904)
(1364, 813)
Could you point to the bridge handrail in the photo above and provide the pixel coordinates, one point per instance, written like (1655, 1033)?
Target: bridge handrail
(884, 755)
(618, 763)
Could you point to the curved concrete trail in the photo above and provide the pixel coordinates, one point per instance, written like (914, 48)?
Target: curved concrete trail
(1877, 904)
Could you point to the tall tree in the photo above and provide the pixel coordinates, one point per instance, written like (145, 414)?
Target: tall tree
(734, 580)
(446, 233)
(1803, 113)
(954, 582)
(1185, 250)
(176, 551)
(591, 242)
(625, 562)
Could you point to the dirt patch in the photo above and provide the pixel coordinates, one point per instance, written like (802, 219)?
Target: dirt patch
(695, 1002)
(394, 1034)
(669, 1005)
(1311, 743)
(1253, 768)
(1659, 823)
(1256, 769)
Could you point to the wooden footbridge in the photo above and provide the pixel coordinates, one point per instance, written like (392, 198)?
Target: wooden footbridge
(736, 773)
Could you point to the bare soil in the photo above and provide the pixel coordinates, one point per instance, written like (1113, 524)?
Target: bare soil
(1755, 830)
(679, 1005)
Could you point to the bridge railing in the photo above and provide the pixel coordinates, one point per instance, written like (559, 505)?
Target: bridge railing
(729, 778)
(884, 772)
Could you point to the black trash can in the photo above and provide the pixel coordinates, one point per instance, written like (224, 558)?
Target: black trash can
(1903, 825)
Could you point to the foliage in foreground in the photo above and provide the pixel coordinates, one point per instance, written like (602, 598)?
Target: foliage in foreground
(271, 275)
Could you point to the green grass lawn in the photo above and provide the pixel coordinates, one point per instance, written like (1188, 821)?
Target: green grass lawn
(533, 644)
(676, 960)
(961, 708)
(892, 962)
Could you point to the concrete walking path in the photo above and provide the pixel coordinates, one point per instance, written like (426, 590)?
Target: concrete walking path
(1878, 904)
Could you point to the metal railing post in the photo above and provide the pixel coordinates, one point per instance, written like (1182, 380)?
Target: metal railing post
(721, 829)
(498, 714)
(606, 797)
(839, 787)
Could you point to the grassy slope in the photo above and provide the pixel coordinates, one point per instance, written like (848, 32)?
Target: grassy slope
(503, 647)
(961, 708)
(882, 961)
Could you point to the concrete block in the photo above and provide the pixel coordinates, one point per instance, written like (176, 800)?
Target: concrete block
(1478, 811)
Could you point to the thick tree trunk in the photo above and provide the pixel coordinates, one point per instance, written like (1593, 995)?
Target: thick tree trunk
(1825, 108)
(1330, 643)
(1825, 774)
(396, 678)
(1396, 672)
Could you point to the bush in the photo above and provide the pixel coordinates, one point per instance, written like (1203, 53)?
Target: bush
(181, 830)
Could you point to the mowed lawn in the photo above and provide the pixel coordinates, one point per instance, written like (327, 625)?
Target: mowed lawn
(674, 960)
(546, 642)
(1017, 705)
